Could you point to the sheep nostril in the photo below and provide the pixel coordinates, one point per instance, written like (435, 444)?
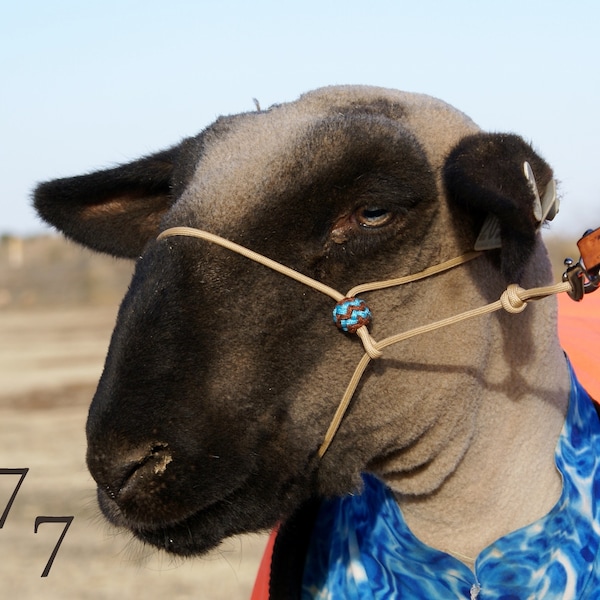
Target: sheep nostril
(132, 474)
(162, 458)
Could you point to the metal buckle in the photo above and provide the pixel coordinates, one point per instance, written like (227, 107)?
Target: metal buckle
(584, 275)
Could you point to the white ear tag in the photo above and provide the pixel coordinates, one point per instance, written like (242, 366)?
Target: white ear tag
(547, 207)
(537, 203)
(489, 237)
(550, 202)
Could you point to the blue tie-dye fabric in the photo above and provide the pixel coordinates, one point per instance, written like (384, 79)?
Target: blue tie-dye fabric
(361, 547)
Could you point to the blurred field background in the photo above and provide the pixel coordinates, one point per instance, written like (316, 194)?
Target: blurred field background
(58, 304)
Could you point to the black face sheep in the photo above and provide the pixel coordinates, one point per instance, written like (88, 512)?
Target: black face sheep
(223, 375)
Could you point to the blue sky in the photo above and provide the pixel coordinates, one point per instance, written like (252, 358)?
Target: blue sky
(90, 84)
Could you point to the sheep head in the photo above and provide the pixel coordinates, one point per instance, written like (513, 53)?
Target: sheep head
(222, 376)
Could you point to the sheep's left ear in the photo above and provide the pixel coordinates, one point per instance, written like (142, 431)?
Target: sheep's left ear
(486, 174)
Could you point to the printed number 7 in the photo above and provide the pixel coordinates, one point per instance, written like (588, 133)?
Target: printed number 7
(39, 520)
(22, 473)
(67, 521)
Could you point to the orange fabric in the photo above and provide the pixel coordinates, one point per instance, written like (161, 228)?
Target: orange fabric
(261, 585)
(579, 332)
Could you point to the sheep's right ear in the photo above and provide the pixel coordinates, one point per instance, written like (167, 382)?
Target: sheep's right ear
(495, 178)
(117, 210)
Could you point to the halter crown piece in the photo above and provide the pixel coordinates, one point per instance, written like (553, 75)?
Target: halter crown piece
(352, 315)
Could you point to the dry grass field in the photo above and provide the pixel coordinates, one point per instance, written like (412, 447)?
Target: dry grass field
(57, 309)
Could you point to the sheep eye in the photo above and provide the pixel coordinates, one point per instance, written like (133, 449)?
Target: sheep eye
(373, 216)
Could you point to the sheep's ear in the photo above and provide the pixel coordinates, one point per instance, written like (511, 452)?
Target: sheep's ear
(486, 174)
(115, 210)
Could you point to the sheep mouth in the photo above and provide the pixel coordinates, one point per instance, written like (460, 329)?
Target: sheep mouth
(250, 508)
(193, 534)
(177, 538)
(180, 539)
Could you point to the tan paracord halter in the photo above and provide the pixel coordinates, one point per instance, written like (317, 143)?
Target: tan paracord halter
(351, 314)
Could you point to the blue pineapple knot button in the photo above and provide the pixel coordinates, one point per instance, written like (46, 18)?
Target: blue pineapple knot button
(351, 314)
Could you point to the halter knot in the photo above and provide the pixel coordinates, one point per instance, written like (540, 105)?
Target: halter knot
(511, 299)
(350, 314)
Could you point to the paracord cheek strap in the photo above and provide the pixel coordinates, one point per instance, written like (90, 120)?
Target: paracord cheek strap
(352, 315)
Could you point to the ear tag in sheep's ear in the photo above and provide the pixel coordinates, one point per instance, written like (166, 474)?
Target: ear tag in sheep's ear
(550, 202)
(489, 237)
(545, 208)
